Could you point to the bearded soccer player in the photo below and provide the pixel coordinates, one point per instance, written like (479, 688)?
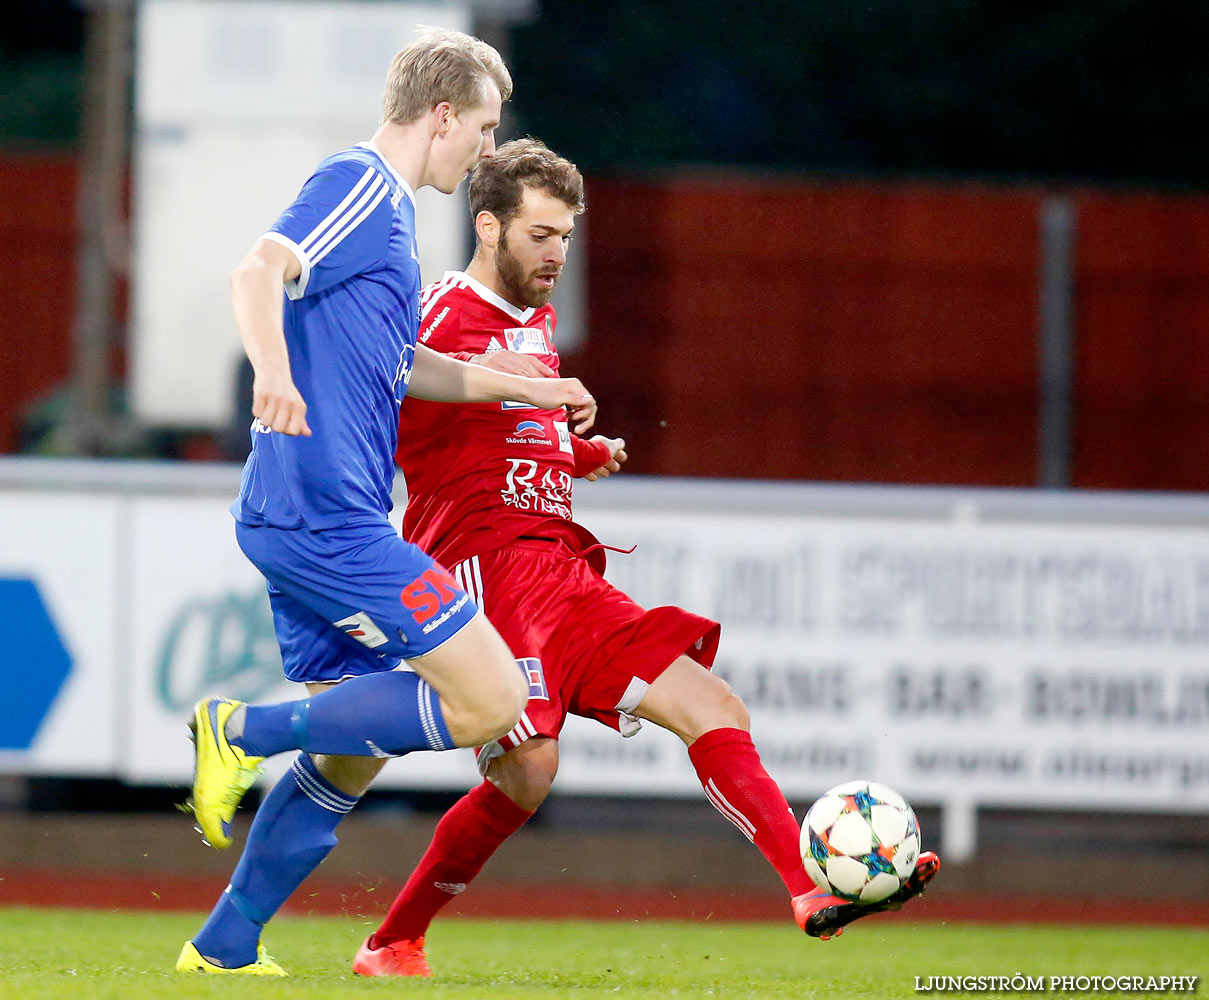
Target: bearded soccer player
(489, 494)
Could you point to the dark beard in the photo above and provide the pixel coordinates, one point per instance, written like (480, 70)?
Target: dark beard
(513, 278)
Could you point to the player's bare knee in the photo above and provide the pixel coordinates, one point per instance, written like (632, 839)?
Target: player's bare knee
(509, 697)
(497, 700)
(350, 775)
(494, 720)
(489, 711)
(692, 702)
(520, 690)
(734, 713)
(503, 688)
(527, 796)
(526, 773)
(720, 707)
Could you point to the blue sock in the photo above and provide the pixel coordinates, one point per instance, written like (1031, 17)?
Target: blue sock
(377, 715)
(294, 829)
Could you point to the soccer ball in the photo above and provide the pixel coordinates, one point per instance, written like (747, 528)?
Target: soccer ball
(860, 841)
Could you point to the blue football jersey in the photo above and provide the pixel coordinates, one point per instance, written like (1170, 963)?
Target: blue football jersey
(351, 319)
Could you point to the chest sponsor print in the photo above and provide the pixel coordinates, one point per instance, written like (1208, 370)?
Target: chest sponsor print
(528, 340)
(525, 490)
(528, 432)
(564, 437)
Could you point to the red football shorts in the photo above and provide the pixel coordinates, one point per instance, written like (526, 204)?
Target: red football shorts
(586, 647)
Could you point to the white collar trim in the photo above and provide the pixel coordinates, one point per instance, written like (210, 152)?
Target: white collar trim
(487, 295)
(411, 195)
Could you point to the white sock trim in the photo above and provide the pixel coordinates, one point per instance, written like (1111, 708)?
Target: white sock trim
(719, 801)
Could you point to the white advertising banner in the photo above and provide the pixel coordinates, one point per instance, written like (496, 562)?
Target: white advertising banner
(60, 649)
(960, 660)
(990, 663)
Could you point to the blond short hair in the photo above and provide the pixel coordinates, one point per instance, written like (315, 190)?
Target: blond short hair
(441, 65)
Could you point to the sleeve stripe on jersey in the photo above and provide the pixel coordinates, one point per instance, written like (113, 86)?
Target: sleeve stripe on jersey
(297, 288)
(433, 291)
(439, 289)
(428, 291)
(373, 194)
(452, 279)
(307, 242)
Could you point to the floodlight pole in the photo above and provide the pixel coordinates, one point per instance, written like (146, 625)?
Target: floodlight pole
(103, 233)
(1055, 341)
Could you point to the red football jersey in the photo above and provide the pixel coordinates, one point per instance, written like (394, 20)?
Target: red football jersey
(481, 474)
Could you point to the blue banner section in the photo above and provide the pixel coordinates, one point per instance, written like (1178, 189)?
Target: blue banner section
(34, 663)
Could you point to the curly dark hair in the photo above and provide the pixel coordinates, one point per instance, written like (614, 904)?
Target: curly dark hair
(498, 183)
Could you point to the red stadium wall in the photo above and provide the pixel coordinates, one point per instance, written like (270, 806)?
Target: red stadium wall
(1142, 313)
(38, 261)
(794, 329)
(859, 332)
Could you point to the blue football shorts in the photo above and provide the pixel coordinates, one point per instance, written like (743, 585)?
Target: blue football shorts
(351, 601)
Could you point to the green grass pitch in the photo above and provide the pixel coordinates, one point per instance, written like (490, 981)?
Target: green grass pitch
(98, 955)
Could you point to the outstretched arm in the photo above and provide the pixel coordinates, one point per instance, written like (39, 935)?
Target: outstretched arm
(598, 457)
(256, 289)
(442, 379)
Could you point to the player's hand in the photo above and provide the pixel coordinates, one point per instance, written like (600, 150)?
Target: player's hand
(515, 363)
(557, 393)
(277, 403)
(617, 456)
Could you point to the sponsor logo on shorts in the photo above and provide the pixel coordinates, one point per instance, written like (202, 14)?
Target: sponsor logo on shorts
(362, 628)
(453, 888)
(531, 667)
(446, 615)
(433, 598)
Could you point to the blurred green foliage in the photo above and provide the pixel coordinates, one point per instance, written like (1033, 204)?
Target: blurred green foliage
(41, 73)
(40, 99)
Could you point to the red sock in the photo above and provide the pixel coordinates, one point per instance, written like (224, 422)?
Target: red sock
(741, 790)
(466, 837)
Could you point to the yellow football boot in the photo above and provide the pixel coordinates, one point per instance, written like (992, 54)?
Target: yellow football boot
(222, 773)
(192, 960)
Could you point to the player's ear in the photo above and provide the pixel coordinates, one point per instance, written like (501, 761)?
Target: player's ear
(487, 228)
(443, 116)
